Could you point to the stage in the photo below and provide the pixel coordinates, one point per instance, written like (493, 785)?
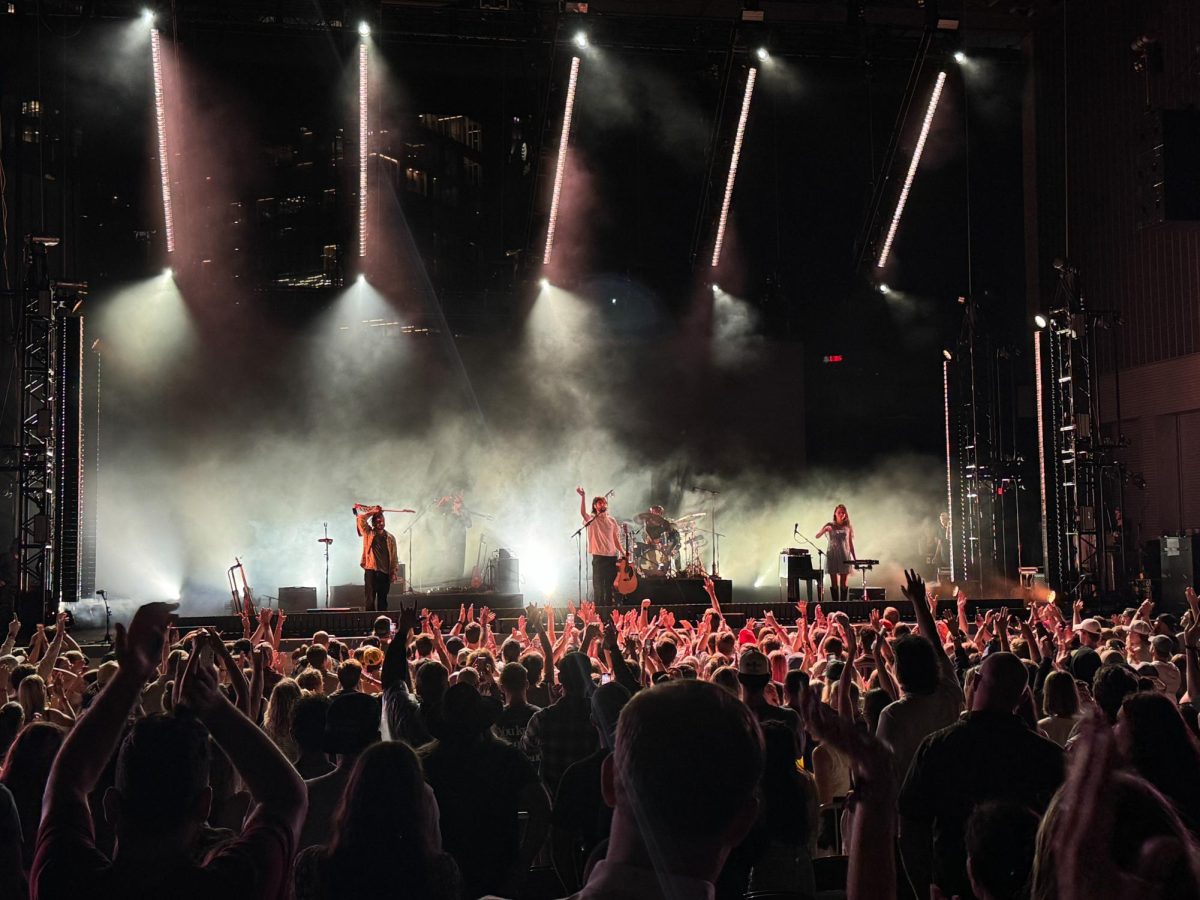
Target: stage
(351, 624)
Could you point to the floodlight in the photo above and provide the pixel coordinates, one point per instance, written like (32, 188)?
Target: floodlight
(364, 28)
(581, 40)
(1040, 321)
(762, 54)
(960, 57)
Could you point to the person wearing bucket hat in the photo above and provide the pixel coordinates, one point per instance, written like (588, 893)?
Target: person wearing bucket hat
(480, 825)
(351, 726)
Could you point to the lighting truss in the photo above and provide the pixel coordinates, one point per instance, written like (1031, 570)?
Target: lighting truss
(949, 466)
(160, 121)
(912, 169)
(751, 77)
(364, 72)
(1041, 433)
(560, 167)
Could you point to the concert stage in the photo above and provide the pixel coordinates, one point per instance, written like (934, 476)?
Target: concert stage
(357, 623)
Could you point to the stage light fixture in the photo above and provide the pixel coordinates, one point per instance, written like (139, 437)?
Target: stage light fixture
(912, 169)
(148, 16)
(581, 40)
(168, 272)
(160, 122)
(544, 283)
(715, 287)
(362, 279)
(960, 57)
(762, 54)
(364, 73)
(364, 28)
(560, 167)
(1040, 321)
(884, 289)
(948, 355)
(1040, 402)
(751, 77)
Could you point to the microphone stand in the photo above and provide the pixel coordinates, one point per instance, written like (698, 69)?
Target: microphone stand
(712, 518)
(327, 540)
(796, 532)
(107, 639)
(408, 575)
(578, 535)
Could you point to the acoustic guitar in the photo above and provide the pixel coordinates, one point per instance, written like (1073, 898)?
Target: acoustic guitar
(626, 581)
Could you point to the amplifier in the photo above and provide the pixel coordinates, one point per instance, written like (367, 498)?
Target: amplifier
(297, 599)
(1180, 561)
(347, 596)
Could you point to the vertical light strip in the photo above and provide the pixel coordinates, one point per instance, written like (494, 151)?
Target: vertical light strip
(560, 167)
(733, 166)
(160, 121)
(912, 169)
(363, 141)
(1041, 435)
(949, 477)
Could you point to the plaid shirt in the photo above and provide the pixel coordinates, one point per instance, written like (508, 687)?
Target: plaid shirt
(558, 736)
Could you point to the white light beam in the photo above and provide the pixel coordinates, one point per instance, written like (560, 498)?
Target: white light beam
(560, 167)
(912, 169)
(733, 166)
(160, 121)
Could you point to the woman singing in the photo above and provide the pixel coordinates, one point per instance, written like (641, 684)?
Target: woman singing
(839, 553)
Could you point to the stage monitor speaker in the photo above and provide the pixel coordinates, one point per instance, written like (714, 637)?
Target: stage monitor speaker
(508, 573)
(297, 599)
(1180, 570)
(348, 596)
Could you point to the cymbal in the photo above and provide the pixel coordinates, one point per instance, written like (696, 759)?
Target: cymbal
(690, 516)
(652, 519)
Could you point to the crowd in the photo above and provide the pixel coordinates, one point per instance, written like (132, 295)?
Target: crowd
(630, 754)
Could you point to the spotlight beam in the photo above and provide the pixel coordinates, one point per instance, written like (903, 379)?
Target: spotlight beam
(733, 167)
(160, 122)
(564, 140)
(912, 169)
(364, 72)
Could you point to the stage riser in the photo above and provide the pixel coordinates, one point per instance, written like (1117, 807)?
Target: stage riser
(356, 624)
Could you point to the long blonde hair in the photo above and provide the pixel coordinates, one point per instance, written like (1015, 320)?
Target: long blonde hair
(277, 721)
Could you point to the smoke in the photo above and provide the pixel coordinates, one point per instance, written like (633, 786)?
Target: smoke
(209, 454)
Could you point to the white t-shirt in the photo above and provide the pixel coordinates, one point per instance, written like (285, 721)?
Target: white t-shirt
(604, 537)
(906, 722)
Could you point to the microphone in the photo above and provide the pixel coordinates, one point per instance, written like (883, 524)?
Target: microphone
(795, 528)
(612, 493)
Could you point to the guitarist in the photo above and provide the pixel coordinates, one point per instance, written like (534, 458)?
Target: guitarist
(604, 544)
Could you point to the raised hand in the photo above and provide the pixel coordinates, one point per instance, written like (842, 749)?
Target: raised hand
(140, 648)
(435, 623)
(198, 688)
(14, 626)
(581, 492)
(914, 588)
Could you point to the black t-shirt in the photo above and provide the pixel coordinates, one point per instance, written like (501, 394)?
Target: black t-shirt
(478, 785)
(579, 807)
(983, 756)
(379, 550)
(510, 725)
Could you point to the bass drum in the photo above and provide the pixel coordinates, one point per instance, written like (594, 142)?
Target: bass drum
(650, 559)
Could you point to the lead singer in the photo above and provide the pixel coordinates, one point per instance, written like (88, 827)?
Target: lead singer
(380, 561)
(604, 543)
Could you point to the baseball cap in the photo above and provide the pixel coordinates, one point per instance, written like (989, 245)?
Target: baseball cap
(1139, 626)
(1091, 626)
(746, 636)
(754, 662)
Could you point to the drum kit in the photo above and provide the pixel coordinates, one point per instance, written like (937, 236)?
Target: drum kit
(668, 548)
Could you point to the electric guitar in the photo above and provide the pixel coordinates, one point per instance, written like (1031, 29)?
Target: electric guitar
(477, 572)
(626, 581)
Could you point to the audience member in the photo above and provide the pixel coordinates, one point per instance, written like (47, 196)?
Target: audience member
(562, 733)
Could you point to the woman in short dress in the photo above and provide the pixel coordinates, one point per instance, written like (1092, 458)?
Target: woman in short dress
(839, 552)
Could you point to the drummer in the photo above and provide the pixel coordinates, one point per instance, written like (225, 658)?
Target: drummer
(661, 531)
